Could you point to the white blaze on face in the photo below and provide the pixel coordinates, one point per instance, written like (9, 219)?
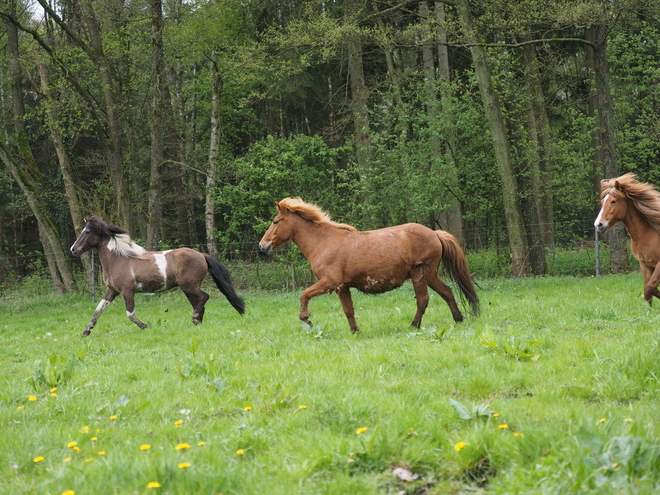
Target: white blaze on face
(602, 207)
(161, 263)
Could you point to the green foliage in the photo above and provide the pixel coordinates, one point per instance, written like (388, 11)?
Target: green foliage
(513, 345)
(481, 411)
(54, 372)
(272, 170)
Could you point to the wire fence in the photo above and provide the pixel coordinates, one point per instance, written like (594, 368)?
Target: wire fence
(578, 251)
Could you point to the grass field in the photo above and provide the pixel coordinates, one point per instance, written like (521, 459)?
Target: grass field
(553, 389)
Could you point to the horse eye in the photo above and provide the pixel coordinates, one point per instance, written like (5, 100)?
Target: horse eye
(613, 202)
(275, 223)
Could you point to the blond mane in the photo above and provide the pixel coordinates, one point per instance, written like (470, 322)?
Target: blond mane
(123, 245)
(644, 196)
(310, 212)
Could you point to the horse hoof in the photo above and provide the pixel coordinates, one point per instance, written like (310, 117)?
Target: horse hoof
(86, 333)
(196, 321)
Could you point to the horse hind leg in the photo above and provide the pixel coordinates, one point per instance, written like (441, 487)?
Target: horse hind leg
(197, 299)
(422, 297)
(129, 299)
(651, 282)
(445, 292)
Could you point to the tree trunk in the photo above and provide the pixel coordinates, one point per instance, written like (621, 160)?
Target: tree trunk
(540, 127)
(154, 207)
(604, 138)
(70, 189)
(452, 218)
(359, 95)
(113, 131)
(492, 108)
(214, 151)
(26, 174)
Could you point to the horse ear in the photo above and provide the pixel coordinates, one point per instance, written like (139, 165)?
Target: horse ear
(617, 186)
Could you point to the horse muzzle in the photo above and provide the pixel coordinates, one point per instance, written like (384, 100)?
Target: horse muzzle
(74, 251)
(601, 227)
(266, 247)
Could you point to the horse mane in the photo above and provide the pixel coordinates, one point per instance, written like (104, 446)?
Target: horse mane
(310, 212)
(118, 239)
(644, 196)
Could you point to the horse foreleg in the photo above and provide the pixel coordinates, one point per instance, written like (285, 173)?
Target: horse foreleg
(129, 299)
(445, 292)
(651, 282)
(320, 287)
(344, 294)
(108, 297)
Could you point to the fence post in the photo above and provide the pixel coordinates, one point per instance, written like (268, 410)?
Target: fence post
(597, 254)
(93, 279)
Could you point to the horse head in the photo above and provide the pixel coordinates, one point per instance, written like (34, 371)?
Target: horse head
(614, 204)
(94, 232)
(280, 230)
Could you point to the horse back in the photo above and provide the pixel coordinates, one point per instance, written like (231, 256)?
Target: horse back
(377, 261)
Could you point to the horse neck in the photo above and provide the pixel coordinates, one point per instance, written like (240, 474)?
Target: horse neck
(308, 237)
(105, 255)
(636, 224)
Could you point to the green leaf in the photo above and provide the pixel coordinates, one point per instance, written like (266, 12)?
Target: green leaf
(460, 409)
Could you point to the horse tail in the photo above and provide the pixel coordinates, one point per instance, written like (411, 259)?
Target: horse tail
(221, 277)
(455, 263)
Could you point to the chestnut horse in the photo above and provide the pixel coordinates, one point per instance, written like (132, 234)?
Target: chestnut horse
(374, 261)
(129, 268)
(637, 205)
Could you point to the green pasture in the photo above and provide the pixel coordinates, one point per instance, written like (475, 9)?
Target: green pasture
(553, 389)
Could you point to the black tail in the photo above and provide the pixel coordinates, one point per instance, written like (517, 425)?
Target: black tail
(222, 279)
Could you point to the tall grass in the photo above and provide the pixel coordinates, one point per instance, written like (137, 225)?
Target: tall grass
(553, 389)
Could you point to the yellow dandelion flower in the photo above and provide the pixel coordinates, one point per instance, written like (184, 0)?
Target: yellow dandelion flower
(184, 465)
(240, 452)
(53, 394)
(38, 458)
(302, 406)
(54, 389)
(94, 439)
(496, 415)
(153, 484)
(89, 460)
(146, 446)
(503, 426)
(84, 429)
(67, 459)
(182, 446)
(21, 407)
(201, 444)
(628, 419)
(75, 449)
(101, 452)
(32, 398)
(71, 444)
(518, 434)
(459, 446)
(114, 416)
(361, 430)
(602, 420)
(248, 408)
(68, 492)
(178, 423)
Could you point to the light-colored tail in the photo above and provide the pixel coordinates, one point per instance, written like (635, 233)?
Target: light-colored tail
(455, 264)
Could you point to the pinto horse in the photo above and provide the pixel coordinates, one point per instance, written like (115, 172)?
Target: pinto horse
(373, 262)
(129, 268)
(637, 205)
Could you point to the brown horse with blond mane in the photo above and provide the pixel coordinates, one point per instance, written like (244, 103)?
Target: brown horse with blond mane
(374, 261)
(129, 268)
(637, 205)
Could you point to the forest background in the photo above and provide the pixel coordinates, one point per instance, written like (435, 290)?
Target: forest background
(184, 120)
